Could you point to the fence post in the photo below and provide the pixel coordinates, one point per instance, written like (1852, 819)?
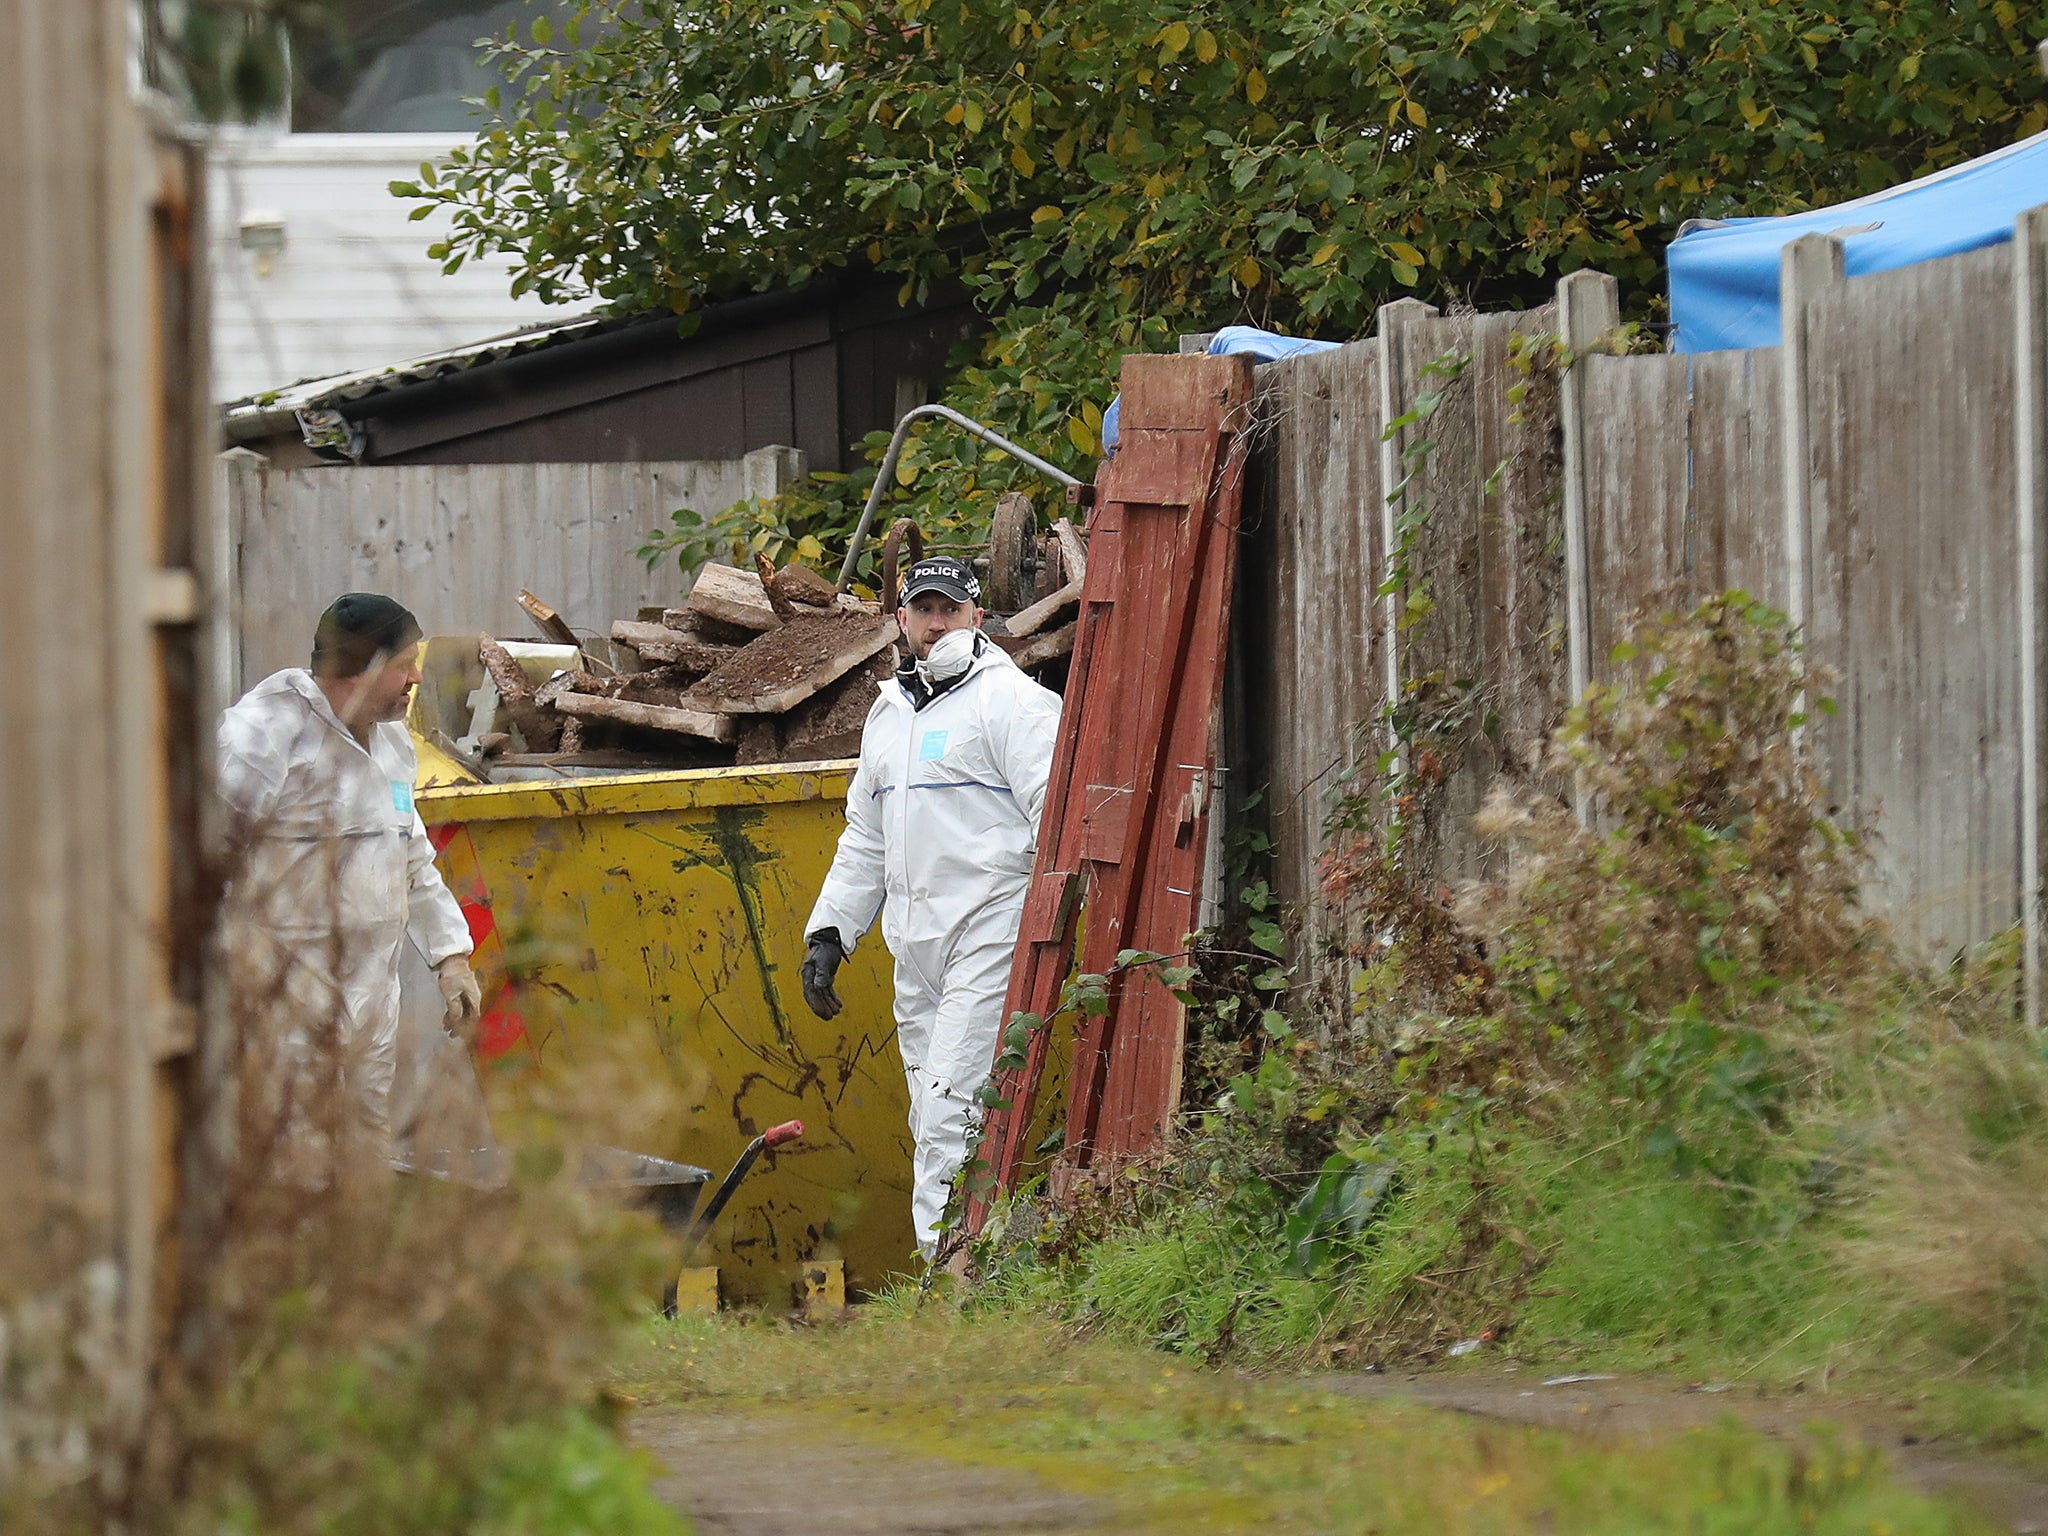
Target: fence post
(239, 480)
(1588, 307)
(771, 471)
(1395, 321)
(2030, 411)
(1807, 265)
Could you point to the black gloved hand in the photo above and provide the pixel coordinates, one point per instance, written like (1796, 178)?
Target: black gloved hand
(820, 966)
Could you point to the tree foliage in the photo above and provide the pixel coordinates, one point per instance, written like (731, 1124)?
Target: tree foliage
(1104, 173)
(225, 60)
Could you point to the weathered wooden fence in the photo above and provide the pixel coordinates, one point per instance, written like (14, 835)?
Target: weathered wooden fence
(1879, 477)
(109, 572)
(457, 542)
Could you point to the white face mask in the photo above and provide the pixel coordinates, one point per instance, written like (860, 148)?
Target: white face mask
(951, 654)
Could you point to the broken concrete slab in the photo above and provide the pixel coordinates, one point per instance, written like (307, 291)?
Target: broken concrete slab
(790, 664)
(654, 717)
(660, 644)
(732, 596)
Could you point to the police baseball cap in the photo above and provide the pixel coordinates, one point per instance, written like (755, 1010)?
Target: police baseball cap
(943, 574)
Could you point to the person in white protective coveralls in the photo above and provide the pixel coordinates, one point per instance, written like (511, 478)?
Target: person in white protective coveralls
(941, 828)
(336, 869)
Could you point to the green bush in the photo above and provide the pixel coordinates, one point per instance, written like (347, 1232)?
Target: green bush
(1664, 1092)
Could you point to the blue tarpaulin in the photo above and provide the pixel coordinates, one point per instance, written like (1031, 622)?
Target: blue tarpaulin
(1724, 273)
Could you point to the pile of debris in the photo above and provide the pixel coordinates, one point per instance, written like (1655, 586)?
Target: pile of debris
(767, 667)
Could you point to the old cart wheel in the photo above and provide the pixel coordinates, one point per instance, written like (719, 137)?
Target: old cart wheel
(1012, 555)
(903, 532)
(1052, 568)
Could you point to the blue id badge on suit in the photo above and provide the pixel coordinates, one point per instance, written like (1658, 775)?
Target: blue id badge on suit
(933, 747)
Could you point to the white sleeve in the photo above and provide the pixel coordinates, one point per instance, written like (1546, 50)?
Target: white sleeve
(1024, 740)
(252, 761)
(433, 916)
(851, 898)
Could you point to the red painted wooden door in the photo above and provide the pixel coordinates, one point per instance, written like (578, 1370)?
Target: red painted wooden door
(1126, 819)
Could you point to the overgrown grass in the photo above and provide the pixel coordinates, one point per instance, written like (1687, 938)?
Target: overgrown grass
(339, 1349)
(1663, 1097)
(1160, 1444)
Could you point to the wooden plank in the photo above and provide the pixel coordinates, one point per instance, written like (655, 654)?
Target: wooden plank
(1029, 621)
(1735, 437)
(552, 625)
(1073, 549)
(1638, 534)
(1589, 307)
(1037, 650)
(2030, 506)
(655, 717)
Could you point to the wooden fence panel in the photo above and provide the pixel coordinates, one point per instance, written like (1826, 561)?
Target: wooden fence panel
(103, 521)
(1912, 555)
(1736, 441)
(1480, 654)
(1683, 493)
(1322, 656)
(456, 543)
(1639, 527)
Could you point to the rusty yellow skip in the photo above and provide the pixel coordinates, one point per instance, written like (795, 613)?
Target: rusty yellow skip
(639, 939)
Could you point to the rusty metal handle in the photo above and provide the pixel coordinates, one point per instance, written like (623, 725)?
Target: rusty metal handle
(886, 475)
(775, 1136)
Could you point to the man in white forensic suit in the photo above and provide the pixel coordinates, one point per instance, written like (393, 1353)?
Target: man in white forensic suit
(334, 869)
(941, 829)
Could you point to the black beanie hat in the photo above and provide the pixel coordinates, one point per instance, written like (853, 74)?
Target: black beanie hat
(356, 630)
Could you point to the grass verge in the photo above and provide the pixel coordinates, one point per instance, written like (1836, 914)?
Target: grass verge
(1162, 1444)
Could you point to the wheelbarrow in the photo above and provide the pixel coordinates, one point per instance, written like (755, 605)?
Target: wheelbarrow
(668, 1189)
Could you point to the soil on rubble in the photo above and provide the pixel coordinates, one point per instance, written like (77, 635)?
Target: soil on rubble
(785, 656)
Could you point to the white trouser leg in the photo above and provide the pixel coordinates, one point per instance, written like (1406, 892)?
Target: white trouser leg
(917, 1005)
(955, 1051)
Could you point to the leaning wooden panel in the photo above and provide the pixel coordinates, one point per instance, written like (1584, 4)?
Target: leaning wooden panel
(1912, 550)
(1126, 812)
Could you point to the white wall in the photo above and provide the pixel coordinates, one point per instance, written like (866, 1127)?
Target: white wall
(352, 288)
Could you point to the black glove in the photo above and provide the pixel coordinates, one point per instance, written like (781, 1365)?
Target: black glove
(820, 966)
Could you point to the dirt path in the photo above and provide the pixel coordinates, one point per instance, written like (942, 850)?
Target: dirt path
(777, 1475)
(756, 1471)
(2012, 1496)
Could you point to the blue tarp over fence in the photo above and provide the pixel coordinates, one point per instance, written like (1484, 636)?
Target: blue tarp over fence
(1724, 274)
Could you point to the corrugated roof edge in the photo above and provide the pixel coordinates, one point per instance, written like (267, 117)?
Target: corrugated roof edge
(266, 415)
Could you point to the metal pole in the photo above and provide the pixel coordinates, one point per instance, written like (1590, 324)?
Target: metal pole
(886, 475)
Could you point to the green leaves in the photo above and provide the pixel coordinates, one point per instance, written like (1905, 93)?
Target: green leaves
(1337, 1208)
(1291, 163)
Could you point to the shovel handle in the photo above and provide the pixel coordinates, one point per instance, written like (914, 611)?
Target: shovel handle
(774, 1136)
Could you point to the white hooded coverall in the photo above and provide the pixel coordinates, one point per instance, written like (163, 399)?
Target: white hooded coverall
(941, 829)
(334, 872)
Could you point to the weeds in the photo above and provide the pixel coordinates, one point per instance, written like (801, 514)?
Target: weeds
(341, 1348)
(1158, 1445)
(1663, 1092)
